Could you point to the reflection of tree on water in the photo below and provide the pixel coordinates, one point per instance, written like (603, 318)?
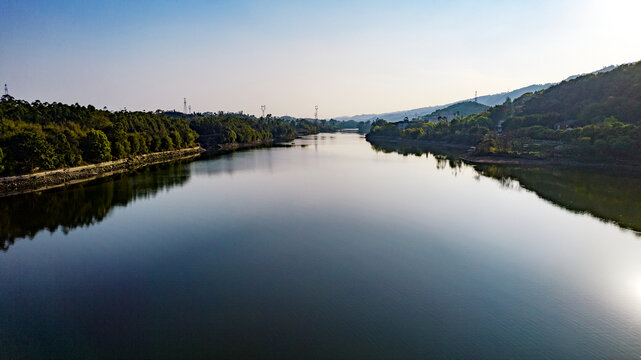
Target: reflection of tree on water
(613, 198)
(444, 159)
(609, 197)
(445, 162)
(82, 205)
(235, 161)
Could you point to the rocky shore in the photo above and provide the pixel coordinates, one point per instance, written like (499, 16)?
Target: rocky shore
(12, 185)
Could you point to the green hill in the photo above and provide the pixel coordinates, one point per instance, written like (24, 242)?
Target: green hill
(595, 117)
(585, 100)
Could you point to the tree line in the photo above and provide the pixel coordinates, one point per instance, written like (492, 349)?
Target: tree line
(231, 128)
(44, 136)
(41, 136)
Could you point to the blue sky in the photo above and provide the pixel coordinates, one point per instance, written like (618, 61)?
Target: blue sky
(349, 57)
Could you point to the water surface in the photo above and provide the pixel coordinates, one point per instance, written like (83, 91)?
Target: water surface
(327, 249)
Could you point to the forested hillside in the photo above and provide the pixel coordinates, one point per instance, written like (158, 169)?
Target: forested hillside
(44, 136)
(584, 100)
(595, 117)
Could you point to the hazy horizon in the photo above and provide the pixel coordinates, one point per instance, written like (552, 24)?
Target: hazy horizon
(347, 58)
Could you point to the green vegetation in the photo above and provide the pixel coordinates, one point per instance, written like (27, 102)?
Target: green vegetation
(335, 125)
(466, 130)
(43, 136)
(231, 128)
(238, 128)
(96, 146)
(596, 117)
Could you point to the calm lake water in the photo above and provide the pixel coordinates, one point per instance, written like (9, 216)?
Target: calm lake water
(330, 248)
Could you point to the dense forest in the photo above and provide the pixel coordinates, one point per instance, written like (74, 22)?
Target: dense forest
(229, 128)
(44, 136)
(594, 117)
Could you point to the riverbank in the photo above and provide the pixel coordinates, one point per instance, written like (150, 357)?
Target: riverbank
(412, 142)
(466, 153)
(472, 159)
(13, 185)
(238, 146)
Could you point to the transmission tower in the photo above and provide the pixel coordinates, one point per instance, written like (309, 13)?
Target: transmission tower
(6, 89)
(316, 112)
(190, 109)
(184, 105)
(476, 96)
(262, 108)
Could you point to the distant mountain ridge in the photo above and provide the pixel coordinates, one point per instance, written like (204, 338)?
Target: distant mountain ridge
(489, 100)
(461, 109)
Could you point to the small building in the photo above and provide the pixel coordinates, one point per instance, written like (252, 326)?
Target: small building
(564, 125)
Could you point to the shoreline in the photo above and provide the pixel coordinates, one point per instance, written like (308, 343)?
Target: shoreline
(52, 179)
(566, 162)
(428, 143)
(507, 160)
(45, 180)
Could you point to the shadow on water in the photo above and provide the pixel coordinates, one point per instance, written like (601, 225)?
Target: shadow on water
(608, 195)
(84, 204)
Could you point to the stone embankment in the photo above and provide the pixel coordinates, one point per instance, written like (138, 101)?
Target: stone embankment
(12, 185)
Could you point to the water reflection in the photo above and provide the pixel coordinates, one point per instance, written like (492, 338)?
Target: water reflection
(82, 205)
(236, 161)
(612, 198)
(446, 158)
(607, 195)
(286, 253)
